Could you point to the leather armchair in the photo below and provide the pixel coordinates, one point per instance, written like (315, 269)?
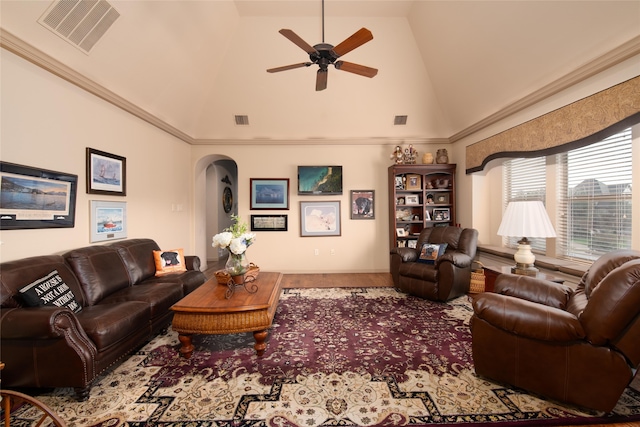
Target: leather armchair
(450, 275)
(578, 346)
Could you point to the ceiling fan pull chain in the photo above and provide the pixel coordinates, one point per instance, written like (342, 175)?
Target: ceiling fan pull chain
(322, 21)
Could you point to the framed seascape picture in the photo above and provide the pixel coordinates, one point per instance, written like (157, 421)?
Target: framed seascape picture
(36, 198)
(106, 173)
(362, 204)
(108, 220)
(319, 180)
(320, 219)
(272, 193)
(269, 222)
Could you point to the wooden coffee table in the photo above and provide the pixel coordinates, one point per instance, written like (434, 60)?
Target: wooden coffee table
(207, 311)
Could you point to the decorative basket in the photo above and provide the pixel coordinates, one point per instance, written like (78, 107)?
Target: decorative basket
(477, 279)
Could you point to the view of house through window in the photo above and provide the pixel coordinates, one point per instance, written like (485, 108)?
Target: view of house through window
(593, 193)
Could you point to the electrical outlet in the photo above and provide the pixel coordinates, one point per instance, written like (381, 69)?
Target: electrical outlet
(316, 251)
(333, 251)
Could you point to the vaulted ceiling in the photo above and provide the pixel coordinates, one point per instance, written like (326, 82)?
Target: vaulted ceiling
(446, 65)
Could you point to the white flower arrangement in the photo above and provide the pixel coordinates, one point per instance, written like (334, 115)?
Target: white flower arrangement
(235, 238)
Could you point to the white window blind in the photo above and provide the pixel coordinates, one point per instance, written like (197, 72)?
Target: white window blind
(525, 179)
(594, 185)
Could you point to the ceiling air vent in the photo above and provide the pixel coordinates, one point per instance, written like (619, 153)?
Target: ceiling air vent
(80, 22)
(400, 120)
(242, 120)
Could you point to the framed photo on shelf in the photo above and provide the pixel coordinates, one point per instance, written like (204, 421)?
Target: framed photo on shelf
(106, 173)
(427, 216)
(401, 232)
(36, 198)
(412, 199)
(362, 204)
(269, 222)
(442, 199)
(320, 219)
(270, 193)
(414, 182)
(441, 214)
(412, 243)
(108, 220)
(399, 182)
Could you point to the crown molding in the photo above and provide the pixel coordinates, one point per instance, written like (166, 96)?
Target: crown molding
(30, 53)
(623, 52)
(324, 141)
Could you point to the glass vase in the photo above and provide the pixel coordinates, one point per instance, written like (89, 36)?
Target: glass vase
(237, 264)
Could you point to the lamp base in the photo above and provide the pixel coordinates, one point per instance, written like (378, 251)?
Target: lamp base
(524, 270)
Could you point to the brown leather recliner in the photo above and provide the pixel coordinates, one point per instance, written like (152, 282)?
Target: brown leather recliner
(577, 346)
(450, 275)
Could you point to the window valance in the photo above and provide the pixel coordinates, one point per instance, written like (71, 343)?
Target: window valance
(578, 124)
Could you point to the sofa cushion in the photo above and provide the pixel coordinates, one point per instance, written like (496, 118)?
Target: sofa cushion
(110, 324)
(14, 275)
(158, 296)
(170, 261)
(99, 270)
(137, 255)
(50, 290)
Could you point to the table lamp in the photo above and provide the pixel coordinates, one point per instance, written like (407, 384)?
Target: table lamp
(525, 219)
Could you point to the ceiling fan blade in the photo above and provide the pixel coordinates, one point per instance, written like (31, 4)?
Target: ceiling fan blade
(358, 38)
(356, 68)
(288, 67)
(321, 80)
(298, 41)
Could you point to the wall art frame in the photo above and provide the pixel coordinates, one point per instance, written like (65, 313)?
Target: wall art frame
(106, 173)
(363, 204)
(108, 220)
(319, 180)
(269, 222)
(319, 219)
(269, 193)
(36, 198)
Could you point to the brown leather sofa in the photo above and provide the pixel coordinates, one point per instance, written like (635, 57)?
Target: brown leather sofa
(450, 275)
(577, 346)
(123, 304)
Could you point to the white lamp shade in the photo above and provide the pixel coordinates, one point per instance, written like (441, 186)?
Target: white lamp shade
(526, 219)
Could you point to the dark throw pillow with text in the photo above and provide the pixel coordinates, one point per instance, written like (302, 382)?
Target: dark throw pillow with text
(50, 291)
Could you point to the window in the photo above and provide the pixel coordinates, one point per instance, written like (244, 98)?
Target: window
(525, 179)
(595, 198)
(593, 192)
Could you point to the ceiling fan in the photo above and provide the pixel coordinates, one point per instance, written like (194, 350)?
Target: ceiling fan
(325, 54)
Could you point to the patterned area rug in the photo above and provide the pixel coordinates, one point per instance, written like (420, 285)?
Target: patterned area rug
(335, 357)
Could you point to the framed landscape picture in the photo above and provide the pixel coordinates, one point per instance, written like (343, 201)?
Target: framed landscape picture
(36, 198)
(108, 220)
(106, 173)
(269, 193)
(320, 219)
(319, 180)
(269, 222)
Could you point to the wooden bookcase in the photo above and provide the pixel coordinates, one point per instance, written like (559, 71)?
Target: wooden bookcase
(420, 196)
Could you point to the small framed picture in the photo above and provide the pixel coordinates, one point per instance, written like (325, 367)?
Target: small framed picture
(106, 173)
(269, 193)
(362, 204)
(414, 182)
(441, 214)
(108, 220)
(269, 222)
(427, 216)
(412, 199)
(442, 199)
(399, 182)
(320, 218)
(401, 232)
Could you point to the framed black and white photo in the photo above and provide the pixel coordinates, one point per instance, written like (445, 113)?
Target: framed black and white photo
(269, 222)
(411, 199)
(320, 219)
(106, 173)
(108, 220)
(36, 198)
(362, 204)
(269, 193)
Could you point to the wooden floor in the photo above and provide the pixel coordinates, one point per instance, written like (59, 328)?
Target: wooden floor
(353, 280)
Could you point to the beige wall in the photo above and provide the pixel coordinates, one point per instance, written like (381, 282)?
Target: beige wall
(47, 123)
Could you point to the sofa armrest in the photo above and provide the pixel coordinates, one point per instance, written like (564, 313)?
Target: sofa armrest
(527, 319)
(192, 262)
(535, 290)
(458, 259)
(406, 254)
(36, 323)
